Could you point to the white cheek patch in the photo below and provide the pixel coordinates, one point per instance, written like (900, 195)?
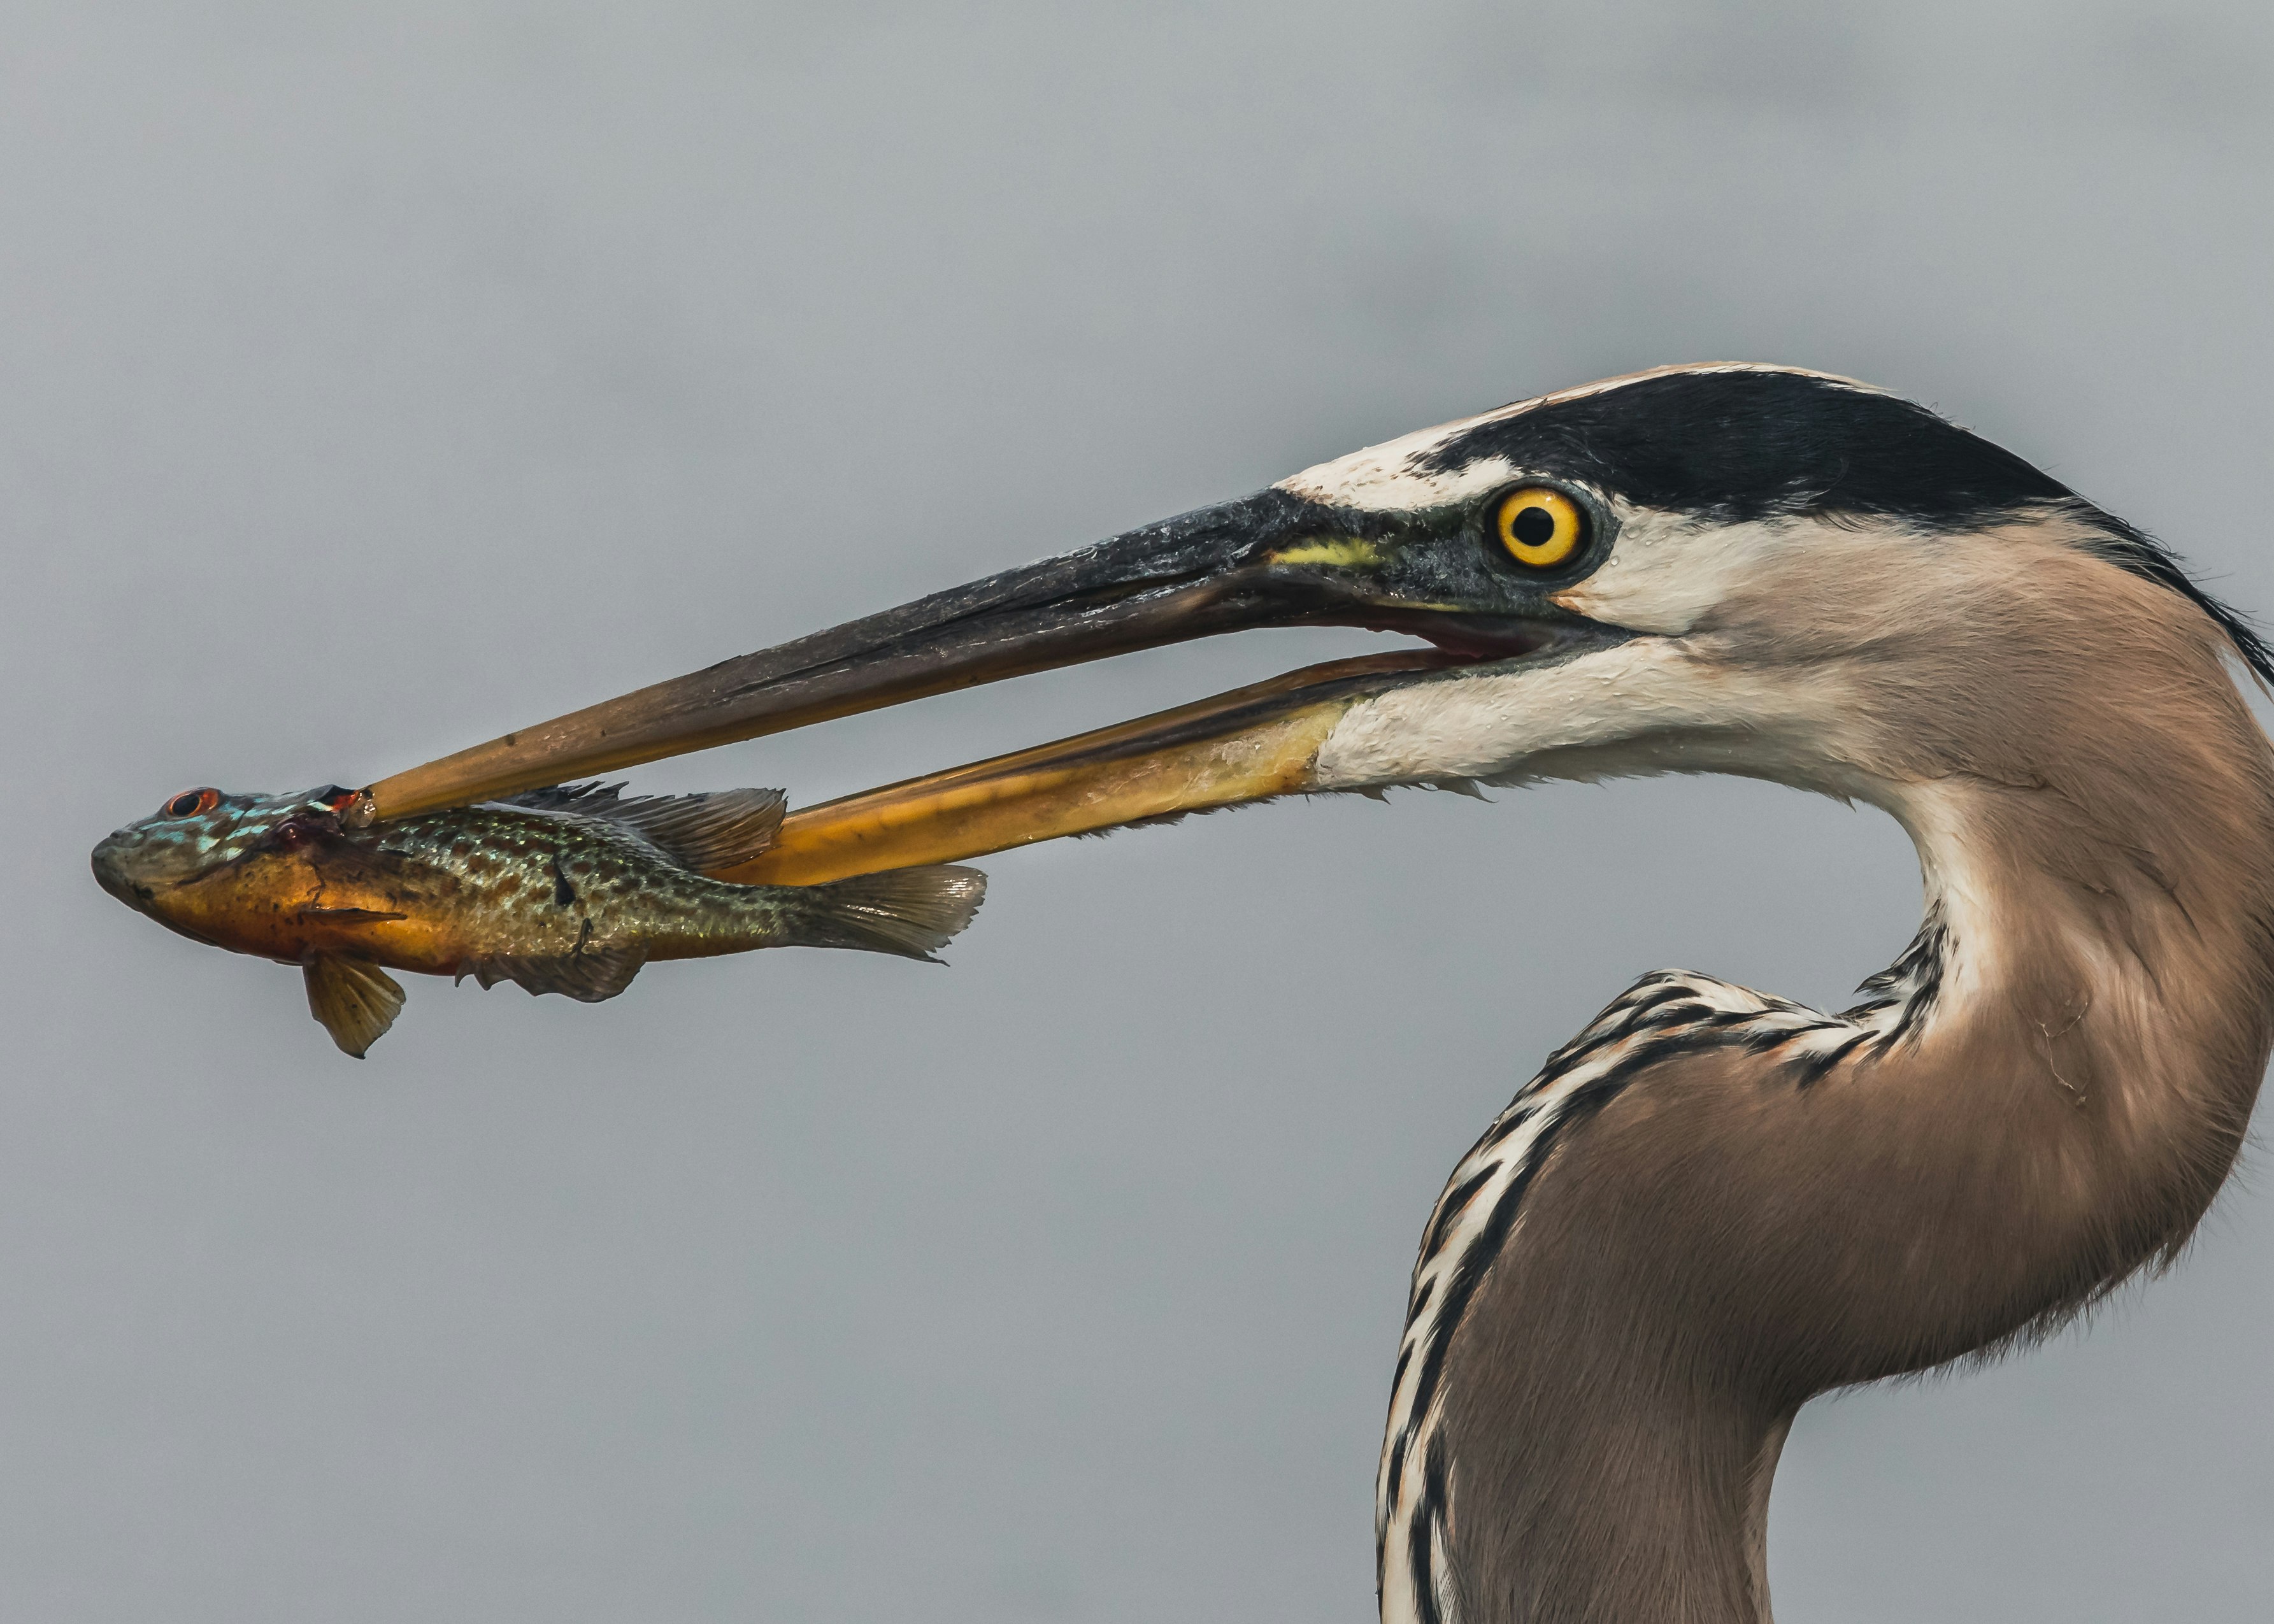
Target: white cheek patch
(1499, 724)
(1475, 726)
(1667, 572)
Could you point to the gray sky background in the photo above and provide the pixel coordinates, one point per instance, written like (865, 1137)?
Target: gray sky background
(379, 379)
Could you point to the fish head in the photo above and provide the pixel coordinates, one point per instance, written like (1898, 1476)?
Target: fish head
(192, 835)
(255, 874)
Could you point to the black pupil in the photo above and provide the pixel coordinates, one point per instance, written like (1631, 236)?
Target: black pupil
(185, 804)
(1532, 526)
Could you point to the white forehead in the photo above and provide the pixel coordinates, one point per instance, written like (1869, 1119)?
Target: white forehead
(1391, 477)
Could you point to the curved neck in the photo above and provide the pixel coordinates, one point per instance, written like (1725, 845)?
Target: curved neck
(1712, 1206)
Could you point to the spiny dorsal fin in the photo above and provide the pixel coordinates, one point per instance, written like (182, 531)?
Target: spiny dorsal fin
(709, 831)
(704, 832)
(591, 976)
(355, 999)
(592, 798)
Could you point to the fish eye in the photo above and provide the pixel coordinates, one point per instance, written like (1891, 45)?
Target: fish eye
(191, 802)
(1541, 526)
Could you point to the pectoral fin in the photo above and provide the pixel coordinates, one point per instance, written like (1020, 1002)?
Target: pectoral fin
(591, 976)
(355, 999)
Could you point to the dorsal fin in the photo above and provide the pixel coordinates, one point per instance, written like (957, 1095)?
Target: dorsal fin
(709, 831)
(704, 832)
(592, 798)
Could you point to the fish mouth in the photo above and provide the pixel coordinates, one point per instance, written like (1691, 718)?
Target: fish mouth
(146, 894)
(1271, 559)
(115, 870)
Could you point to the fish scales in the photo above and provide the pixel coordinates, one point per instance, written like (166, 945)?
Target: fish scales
(571, 889)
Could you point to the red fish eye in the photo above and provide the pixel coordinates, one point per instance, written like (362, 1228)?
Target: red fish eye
(190, 802)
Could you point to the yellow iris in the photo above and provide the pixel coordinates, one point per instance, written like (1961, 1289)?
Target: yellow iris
(1540, 526)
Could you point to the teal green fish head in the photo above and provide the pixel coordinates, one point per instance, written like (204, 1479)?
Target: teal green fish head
(195, 832)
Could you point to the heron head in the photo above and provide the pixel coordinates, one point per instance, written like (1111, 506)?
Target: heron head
(1740, 568)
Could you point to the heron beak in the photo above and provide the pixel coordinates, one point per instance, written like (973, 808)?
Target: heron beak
(1251, 744)
(1270, 560)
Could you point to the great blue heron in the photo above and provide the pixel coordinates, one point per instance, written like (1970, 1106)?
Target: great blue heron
(1712, 1204)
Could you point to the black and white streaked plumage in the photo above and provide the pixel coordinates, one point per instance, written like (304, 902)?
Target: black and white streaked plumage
(1712, 1205)
(1660, 1018)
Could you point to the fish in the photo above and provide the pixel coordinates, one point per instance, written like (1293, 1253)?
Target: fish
(571, 889)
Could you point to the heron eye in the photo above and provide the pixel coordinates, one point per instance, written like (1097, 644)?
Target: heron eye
(191, 802)
(1541, 527)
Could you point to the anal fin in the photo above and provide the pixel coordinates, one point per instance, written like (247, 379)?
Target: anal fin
(356, 1000)
(591, 976)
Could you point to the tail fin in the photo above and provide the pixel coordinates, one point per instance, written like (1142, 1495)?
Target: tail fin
(906, 911)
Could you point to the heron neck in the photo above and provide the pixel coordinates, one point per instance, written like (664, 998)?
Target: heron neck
(2105, 940)
(1709, 1230)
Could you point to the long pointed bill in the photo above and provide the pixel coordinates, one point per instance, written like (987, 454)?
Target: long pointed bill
(1206, 572)
(1274, 558)
(1247, 745)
